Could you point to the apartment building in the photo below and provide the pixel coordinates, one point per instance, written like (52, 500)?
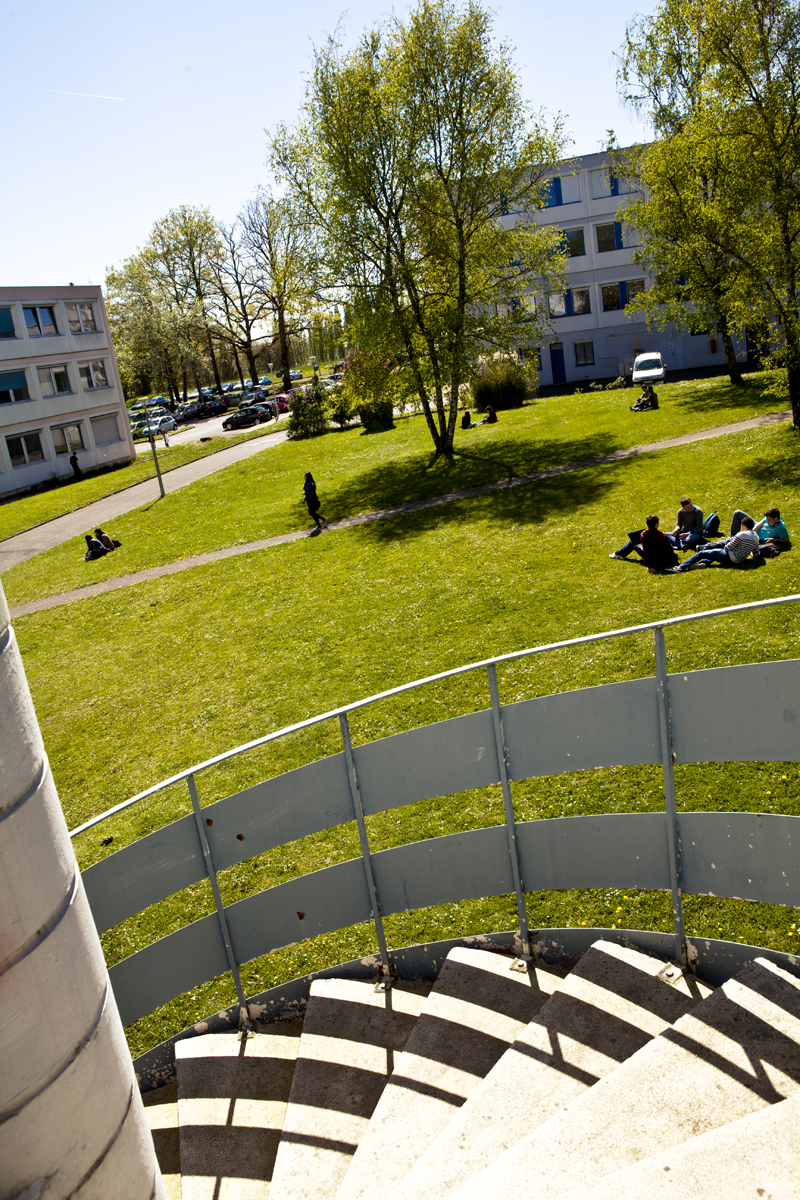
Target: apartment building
(592, 336)
(59, 386)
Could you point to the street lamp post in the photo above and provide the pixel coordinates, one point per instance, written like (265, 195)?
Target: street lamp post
(153, 448)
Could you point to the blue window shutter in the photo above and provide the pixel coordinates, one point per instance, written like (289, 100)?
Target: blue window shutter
(623, 295)
(557, 192)
(503, 204)
(613, 181)
(569, 304)
(13, 380)
(618, 236)
(6, 323)
(515, 302)
(548, 194)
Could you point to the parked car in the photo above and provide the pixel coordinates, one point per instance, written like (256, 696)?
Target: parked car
(295, 374)
(162, 424)
(188, 412)
(213, 408)
(252, 415)
(254, 397)
(648, 368)
(160, 402)
(282, 401)
(265, 380)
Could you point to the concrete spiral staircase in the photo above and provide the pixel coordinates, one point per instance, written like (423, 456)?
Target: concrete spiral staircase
(623, 1078)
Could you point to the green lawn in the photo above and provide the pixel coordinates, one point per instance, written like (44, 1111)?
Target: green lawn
(23, 512)
(358, 472)
(150, 679)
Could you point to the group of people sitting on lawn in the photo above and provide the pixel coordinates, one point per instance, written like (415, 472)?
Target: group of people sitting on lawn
(763, 539)
(490, 418)
(99, 545)
(647, 401)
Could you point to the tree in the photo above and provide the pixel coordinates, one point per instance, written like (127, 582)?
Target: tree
(281, 247)
(422, 168)
(242, 307)
(720, 80)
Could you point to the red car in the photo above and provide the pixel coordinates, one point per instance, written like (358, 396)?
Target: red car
(282, 401)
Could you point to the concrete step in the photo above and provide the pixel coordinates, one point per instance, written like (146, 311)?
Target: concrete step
(735, 1053)
(477, 1007)
(351, 1035)
(232, 1097)
(608, 1007)
(757, 1156)
(161, 1109)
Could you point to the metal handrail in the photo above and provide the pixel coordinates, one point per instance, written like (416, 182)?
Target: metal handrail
(417, 683)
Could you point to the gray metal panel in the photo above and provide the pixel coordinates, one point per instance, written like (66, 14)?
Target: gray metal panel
(144, 872)
(737, 714)
(610, 725)
(433, 760)
(279, 810)
(329, 899)
(614, 850)
(459, 866)
(168, 967)
(742, 855)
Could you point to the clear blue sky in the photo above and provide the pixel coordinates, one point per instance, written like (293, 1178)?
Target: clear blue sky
(192, 87)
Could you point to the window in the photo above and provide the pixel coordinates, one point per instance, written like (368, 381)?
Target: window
(570, 189)
(570, 304)
(584, 354)
(24, 448)
(601, 184)
(609, 237)
(628, 235)
(558, 304)
(80, 317)
(533, 355)
(635, 287)
(40, 322)
(6, 324)
(611, 297)
(13, 386)
(104, 430)
(574, 243)
(580, 302)
(67, 438)
(93, 375)
(53, 380)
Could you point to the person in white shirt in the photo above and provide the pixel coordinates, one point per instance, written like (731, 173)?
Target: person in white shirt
(725, 554)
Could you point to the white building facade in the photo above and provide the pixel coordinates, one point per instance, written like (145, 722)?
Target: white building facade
(592, 336)
(59, 386)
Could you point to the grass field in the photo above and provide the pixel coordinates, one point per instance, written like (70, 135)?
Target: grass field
(140, 683)
(358, 472)
(23, 512)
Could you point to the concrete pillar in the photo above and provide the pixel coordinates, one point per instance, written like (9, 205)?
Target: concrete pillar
(72, 1124)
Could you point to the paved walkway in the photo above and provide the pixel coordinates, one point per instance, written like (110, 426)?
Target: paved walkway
(196, 560)
(22, 546)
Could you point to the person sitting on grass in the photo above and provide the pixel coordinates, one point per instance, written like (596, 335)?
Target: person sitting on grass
(94, 548)
(491, 416)
(108, 542)
(466, 420)
(773, 536)
(647, 401)
(725, 554)
(688, 529)
(653, 546)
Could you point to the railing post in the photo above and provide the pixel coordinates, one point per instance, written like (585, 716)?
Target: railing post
(511, 826)
(366, 854)
(667, 759)
(223, 920)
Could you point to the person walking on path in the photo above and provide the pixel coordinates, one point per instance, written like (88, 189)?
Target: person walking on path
(311, 500)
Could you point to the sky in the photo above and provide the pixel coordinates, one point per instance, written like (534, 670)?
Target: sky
(117, 112)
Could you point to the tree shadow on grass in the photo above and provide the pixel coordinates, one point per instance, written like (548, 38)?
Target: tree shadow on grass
(525, 504)
(420, 476)
(782, 467)
(750, 394)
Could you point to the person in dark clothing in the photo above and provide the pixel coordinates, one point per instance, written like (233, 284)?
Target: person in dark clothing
(653, 546)
(491, 416)
(94, 548)
(647, 401)
(311, 500)
(688, 531)
(105, 540)
(466, 420)
(73, 462)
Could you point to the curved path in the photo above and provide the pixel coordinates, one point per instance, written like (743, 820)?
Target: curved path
(185, 564)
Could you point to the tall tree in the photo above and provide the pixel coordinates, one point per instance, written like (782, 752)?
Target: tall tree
(242, 308)
(422, 168)
(723, 77)
(281, 246)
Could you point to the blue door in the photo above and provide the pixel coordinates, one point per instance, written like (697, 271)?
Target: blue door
(557, 362)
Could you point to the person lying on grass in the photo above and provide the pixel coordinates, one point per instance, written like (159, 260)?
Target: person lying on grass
(772, 533)
(653, 546)
(94, 548)
(729, 553)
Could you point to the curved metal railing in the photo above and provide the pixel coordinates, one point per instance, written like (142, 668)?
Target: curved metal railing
(738, 713)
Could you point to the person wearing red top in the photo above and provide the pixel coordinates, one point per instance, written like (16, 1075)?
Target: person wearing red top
(653, 546)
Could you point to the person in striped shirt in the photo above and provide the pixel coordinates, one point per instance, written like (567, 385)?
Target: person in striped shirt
(724, 554)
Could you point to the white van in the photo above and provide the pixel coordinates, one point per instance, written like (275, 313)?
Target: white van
(648, 368)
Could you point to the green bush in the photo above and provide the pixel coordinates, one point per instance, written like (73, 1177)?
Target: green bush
(501, 384)
(309, 412)
(371, 387)
(340, 406)
(619, 382)
(376, 413)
